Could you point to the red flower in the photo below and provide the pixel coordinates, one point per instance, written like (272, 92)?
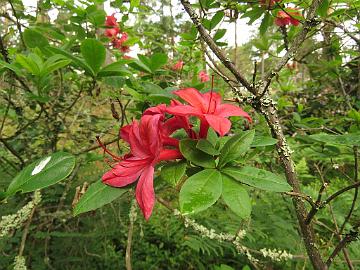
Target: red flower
(127, 57)
(178, 65)
(203, 76)
(285, 18)
(208, 108)
(111, 20)
(172, 124)
(147, 149)
(112, 32)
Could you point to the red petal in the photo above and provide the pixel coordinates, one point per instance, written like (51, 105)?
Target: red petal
(159, 109)
(226, 110)
(193, 97)
(136, 142)
(219, 124)
(124, 173)
(125, 133)
(150, 133)
(184, 110)
(145, 194)
(169, 154)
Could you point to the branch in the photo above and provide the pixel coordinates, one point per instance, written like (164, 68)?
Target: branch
(212, 45)
(18, 25)
(13, 151)
(299, 39)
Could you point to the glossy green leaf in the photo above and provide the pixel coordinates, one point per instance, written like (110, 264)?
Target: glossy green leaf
(43, 173)
(258, 178)
(236, 197)
(207, 147)
(94, 53)
(157, 61)
(172, 172)
(33, 39)
(263, 141)
(196, 156)
(200, 191)
(236, 146)
(97, 195)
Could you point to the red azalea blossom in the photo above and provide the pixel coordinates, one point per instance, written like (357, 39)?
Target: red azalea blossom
(147, 149)
(208, 108)
(178, 65)
(203, 76)
(111, 20)
(127, 57)
(112, 32)
(283, 18)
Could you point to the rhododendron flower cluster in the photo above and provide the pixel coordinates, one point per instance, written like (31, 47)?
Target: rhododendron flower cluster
(285, 18)
(151, 142)
(203, 76)
(117, 37)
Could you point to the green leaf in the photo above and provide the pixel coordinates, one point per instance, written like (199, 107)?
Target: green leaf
(55, 62)
(114, 69)
(235, 147)
(265, 23)
(43, 173)
(263, 141)
(172, 172)
(97, 196)
(207, 147)
(33, 39)
(11, 66)
(200, 191)
(134, 3)
(94, 53)
(77, 62)
(212, 137)
(140, 66)
(236, 197)
(216, 19)
(219, 34)
(191, 153)
(258, 178)
(157, 61)
(323, 8)
(350, 139)
(97, 17)
(28, 64)
(254, 14)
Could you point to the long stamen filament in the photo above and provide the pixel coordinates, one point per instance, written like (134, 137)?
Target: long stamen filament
(107, 151)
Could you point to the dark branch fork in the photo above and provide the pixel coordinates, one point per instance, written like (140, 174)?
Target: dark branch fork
(263, 103)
